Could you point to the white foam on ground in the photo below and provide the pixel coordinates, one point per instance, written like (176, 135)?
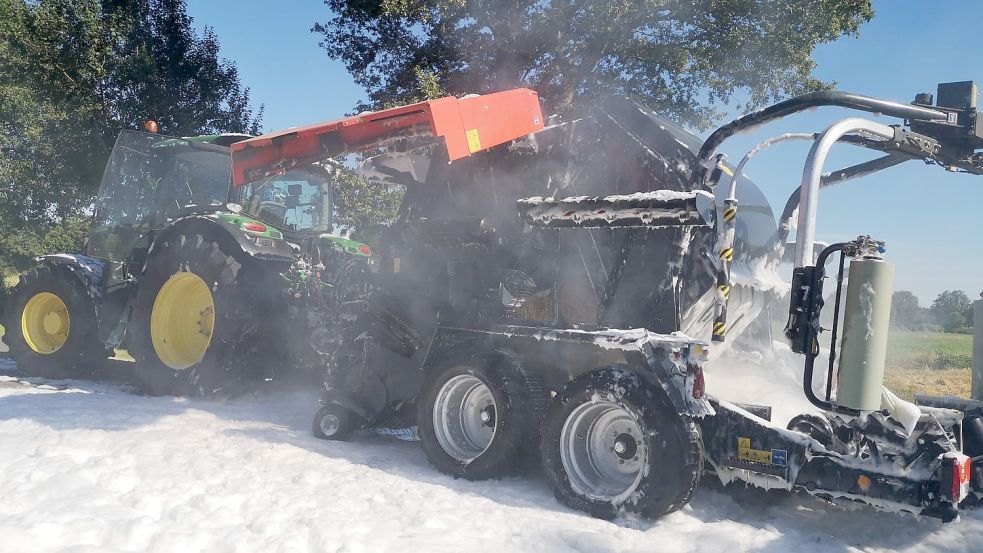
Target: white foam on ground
(91, 467)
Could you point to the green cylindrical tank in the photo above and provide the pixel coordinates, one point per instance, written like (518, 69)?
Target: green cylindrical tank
(865, 328)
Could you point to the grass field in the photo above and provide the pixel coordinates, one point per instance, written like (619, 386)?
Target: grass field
(929, 362)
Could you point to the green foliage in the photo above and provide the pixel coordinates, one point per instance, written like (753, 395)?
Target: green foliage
(684, 58)
(364, 209)
(4, 293)
(953, 310)
(945, 360)
(906, 314)
(75, 72)
(21, 245)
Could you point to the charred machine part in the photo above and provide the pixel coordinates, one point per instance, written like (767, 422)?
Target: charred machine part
(513, 313)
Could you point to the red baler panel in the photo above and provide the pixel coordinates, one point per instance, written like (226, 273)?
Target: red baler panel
(467, 126)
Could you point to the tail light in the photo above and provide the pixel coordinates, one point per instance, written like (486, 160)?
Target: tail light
(698, 354)
(362, 248)
(699, 384)
(957, 470)
(254, 226)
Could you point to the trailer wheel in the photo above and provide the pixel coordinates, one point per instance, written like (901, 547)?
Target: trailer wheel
(814, 426)
(333, 422)
(612, 443)
(479, 416)
(195, 320)
(50, 325)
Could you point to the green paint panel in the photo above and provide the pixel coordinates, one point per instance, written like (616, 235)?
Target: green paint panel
(353, 247)
(240, 220)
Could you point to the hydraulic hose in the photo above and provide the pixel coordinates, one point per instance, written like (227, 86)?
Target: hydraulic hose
(810, 364)
(812, 100)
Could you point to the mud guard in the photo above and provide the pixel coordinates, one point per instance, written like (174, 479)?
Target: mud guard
(229, 237)
(88, 270)
(560, 355)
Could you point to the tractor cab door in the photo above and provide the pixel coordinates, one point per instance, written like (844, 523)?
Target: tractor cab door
(150, 179)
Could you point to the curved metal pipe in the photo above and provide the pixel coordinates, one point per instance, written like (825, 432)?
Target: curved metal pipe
(834, 178)
(805, 235)
(812, 100)
(804, 102)
(763, 145)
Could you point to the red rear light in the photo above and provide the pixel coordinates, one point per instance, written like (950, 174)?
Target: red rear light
(699, 384)
(254, 227)
(364, 249)
(961, 472)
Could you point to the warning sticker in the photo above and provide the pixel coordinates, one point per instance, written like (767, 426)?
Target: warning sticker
(746, 453)
(474, 141)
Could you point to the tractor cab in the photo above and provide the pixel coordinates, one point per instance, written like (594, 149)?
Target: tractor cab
(150, 180)
(298, 201)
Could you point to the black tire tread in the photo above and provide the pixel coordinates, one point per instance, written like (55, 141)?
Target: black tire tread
(347, 419)
(673, 487)
(231, 358)
(82, 352)
(527, 402)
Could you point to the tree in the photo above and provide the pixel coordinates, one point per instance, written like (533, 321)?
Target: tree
(364, 209)
(73, 73)
(906, 314)
(685, 58)
(949, 309)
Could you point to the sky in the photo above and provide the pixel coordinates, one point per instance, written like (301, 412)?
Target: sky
(928, 217)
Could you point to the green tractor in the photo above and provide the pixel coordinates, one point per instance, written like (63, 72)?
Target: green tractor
(182, 270)
(212, 260)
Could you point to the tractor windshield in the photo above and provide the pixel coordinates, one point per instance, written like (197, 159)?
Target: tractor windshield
(298, 200)
(152, 178)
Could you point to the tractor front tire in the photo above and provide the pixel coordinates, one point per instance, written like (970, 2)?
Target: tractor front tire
(612, 443)
(195, 320)
(50, 324)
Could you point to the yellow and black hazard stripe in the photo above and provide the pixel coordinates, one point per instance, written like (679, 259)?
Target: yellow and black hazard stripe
(730, 213)
(724, 290)
(727, 254)
(719, 329)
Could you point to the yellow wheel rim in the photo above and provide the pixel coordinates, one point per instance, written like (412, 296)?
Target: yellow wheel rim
(45, 323)
(182, 321)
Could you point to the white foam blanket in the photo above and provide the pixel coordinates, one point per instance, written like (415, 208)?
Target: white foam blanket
(90, 467)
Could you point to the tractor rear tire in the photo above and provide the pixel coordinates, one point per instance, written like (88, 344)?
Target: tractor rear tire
(612, 443)
(196, 319)
(50, 324)
(479, 416)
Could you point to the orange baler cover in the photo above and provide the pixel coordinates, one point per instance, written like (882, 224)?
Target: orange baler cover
(466, 125)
